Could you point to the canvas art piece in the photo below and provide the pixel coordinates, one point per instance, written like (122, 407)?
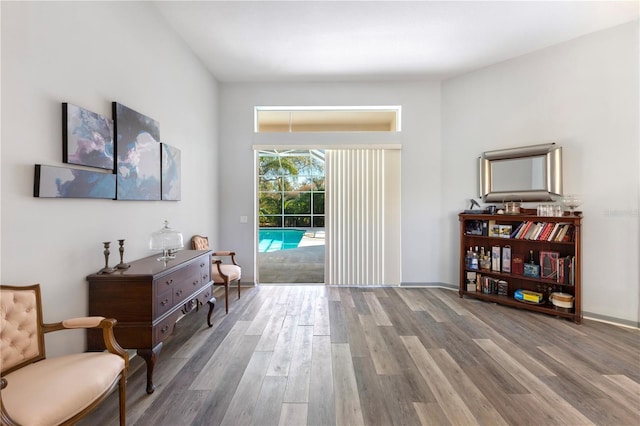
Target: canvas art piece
(65, 182)
(170, 173)
(87, 138)
(138, 155)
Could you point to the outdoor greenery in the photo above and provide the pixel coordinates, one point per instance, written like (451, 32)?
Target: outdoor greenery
(291, 189)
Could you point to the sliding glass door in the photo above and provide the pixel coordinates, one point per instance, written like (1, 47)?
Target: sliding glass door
(329, 216)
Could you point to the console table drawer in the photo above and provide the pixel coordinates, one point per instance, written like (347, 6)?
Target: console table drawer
(176, 277)
(185, 288)
(165, 327)
(164, 302)
(205, 271)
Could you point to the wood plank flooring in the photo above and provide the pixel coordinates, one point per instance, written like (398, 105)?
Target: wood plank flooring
(316, 355)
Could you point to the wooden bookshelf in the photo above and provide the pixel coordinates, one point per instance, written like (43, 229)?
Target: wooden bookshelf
(567, 249)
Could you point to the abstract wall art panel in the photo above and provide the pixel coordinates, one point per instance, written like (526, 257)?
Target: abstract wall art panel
(170, 173)
(65, 182)
(87, 138)
(138, 155)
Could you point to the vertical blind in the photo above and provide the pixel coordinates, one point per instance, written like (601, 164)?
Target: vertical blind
(362, 209)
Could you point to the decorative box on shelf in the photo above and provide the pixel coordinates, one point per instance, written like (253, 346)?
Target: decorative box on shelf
(528, 296)
(531, 270)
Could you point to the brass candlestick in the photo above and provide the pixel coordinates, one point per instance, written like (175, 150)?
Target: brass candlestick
(122, 265)
(106, 269)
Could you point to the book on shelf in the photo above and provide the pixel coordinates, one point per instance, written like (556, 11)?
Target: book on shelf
(490, 285)
(539, 228)
(553, 232)
(517, 264)
(569, 236)
(532, 230)
(570, 269)
(565, 268)
(536, 229)
(523, 229)
(561, 233)
(503, 288)
(543, 230)
(516, 231)
(539, 231)
(548, 228)
(565, 233)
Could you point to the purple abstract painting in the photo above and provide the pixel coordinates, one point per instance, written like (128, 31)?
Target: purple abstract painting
(65, 182)
(138, 155)
(87, 138)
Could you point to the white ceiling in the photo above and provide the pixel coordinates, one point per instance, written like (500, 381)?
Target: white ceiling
(241, 41)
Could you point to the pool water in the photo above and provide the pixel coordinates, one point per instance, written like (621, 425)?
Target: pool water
(274, 239)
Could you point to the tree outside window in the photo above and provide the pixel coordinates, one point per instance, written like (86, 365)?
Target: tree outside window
(291, 188)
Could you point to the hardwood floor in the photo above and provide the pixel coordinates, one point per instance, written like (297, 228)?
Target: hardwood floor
(316, 355)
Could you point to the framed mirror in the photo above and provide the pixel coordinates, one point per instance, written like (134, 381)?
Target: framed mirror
(528, 173)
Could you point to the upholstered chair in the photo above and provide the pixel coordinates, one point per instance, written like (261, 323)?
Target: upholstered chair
(61, 390)
(222, 273)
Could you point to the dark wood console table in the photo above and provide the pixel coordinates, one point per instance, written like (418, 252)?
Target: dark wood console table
(148, 298)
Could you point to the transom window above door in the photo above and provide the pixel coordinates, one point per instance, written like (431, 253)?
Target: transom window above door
(327, 119)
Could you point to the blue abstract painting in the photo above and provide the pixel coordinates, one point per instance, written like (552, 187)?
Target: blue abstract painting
(65, 182)
(138, 155)
(170, 173)
(87, 138)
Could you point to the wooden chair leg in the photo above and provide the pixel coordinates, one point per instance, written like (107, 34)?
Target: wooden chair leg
(123, 399)
(238, 289)
(226, 296)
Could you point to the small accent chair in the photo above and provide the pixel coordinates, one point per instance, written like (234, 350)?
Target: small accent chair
(223, 273)
(37, 390)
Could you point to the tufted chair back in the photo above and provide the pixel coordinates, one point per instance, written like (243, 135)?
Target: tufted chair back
(35, 390)
(199, 242)
(21, 336)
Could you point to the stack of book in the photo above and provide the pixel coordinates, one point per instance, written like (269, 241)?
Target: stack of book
(490, 285)
(544, 231)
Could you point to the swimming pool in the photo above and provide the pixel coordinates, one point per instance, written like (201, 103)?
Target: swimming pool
(273, 239)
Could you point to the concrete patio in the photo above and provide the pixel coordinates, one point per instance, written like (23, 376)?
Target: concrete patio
(304, 264)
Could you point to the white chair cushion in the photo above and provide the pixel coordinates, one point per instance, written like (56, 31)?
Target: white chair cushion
(51, 391)
(232, 271)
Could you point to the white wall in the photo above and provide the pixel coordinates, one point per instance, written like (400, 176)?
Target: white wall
(90, 54)
(582, 94)
(420, 139)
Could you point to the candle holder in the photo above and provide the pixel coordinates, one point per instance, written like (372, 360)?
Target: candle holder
(122, 265)
(106, 269)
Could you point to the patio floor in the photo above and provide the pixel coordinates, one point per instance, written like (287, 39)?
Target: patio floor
(304, 264)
